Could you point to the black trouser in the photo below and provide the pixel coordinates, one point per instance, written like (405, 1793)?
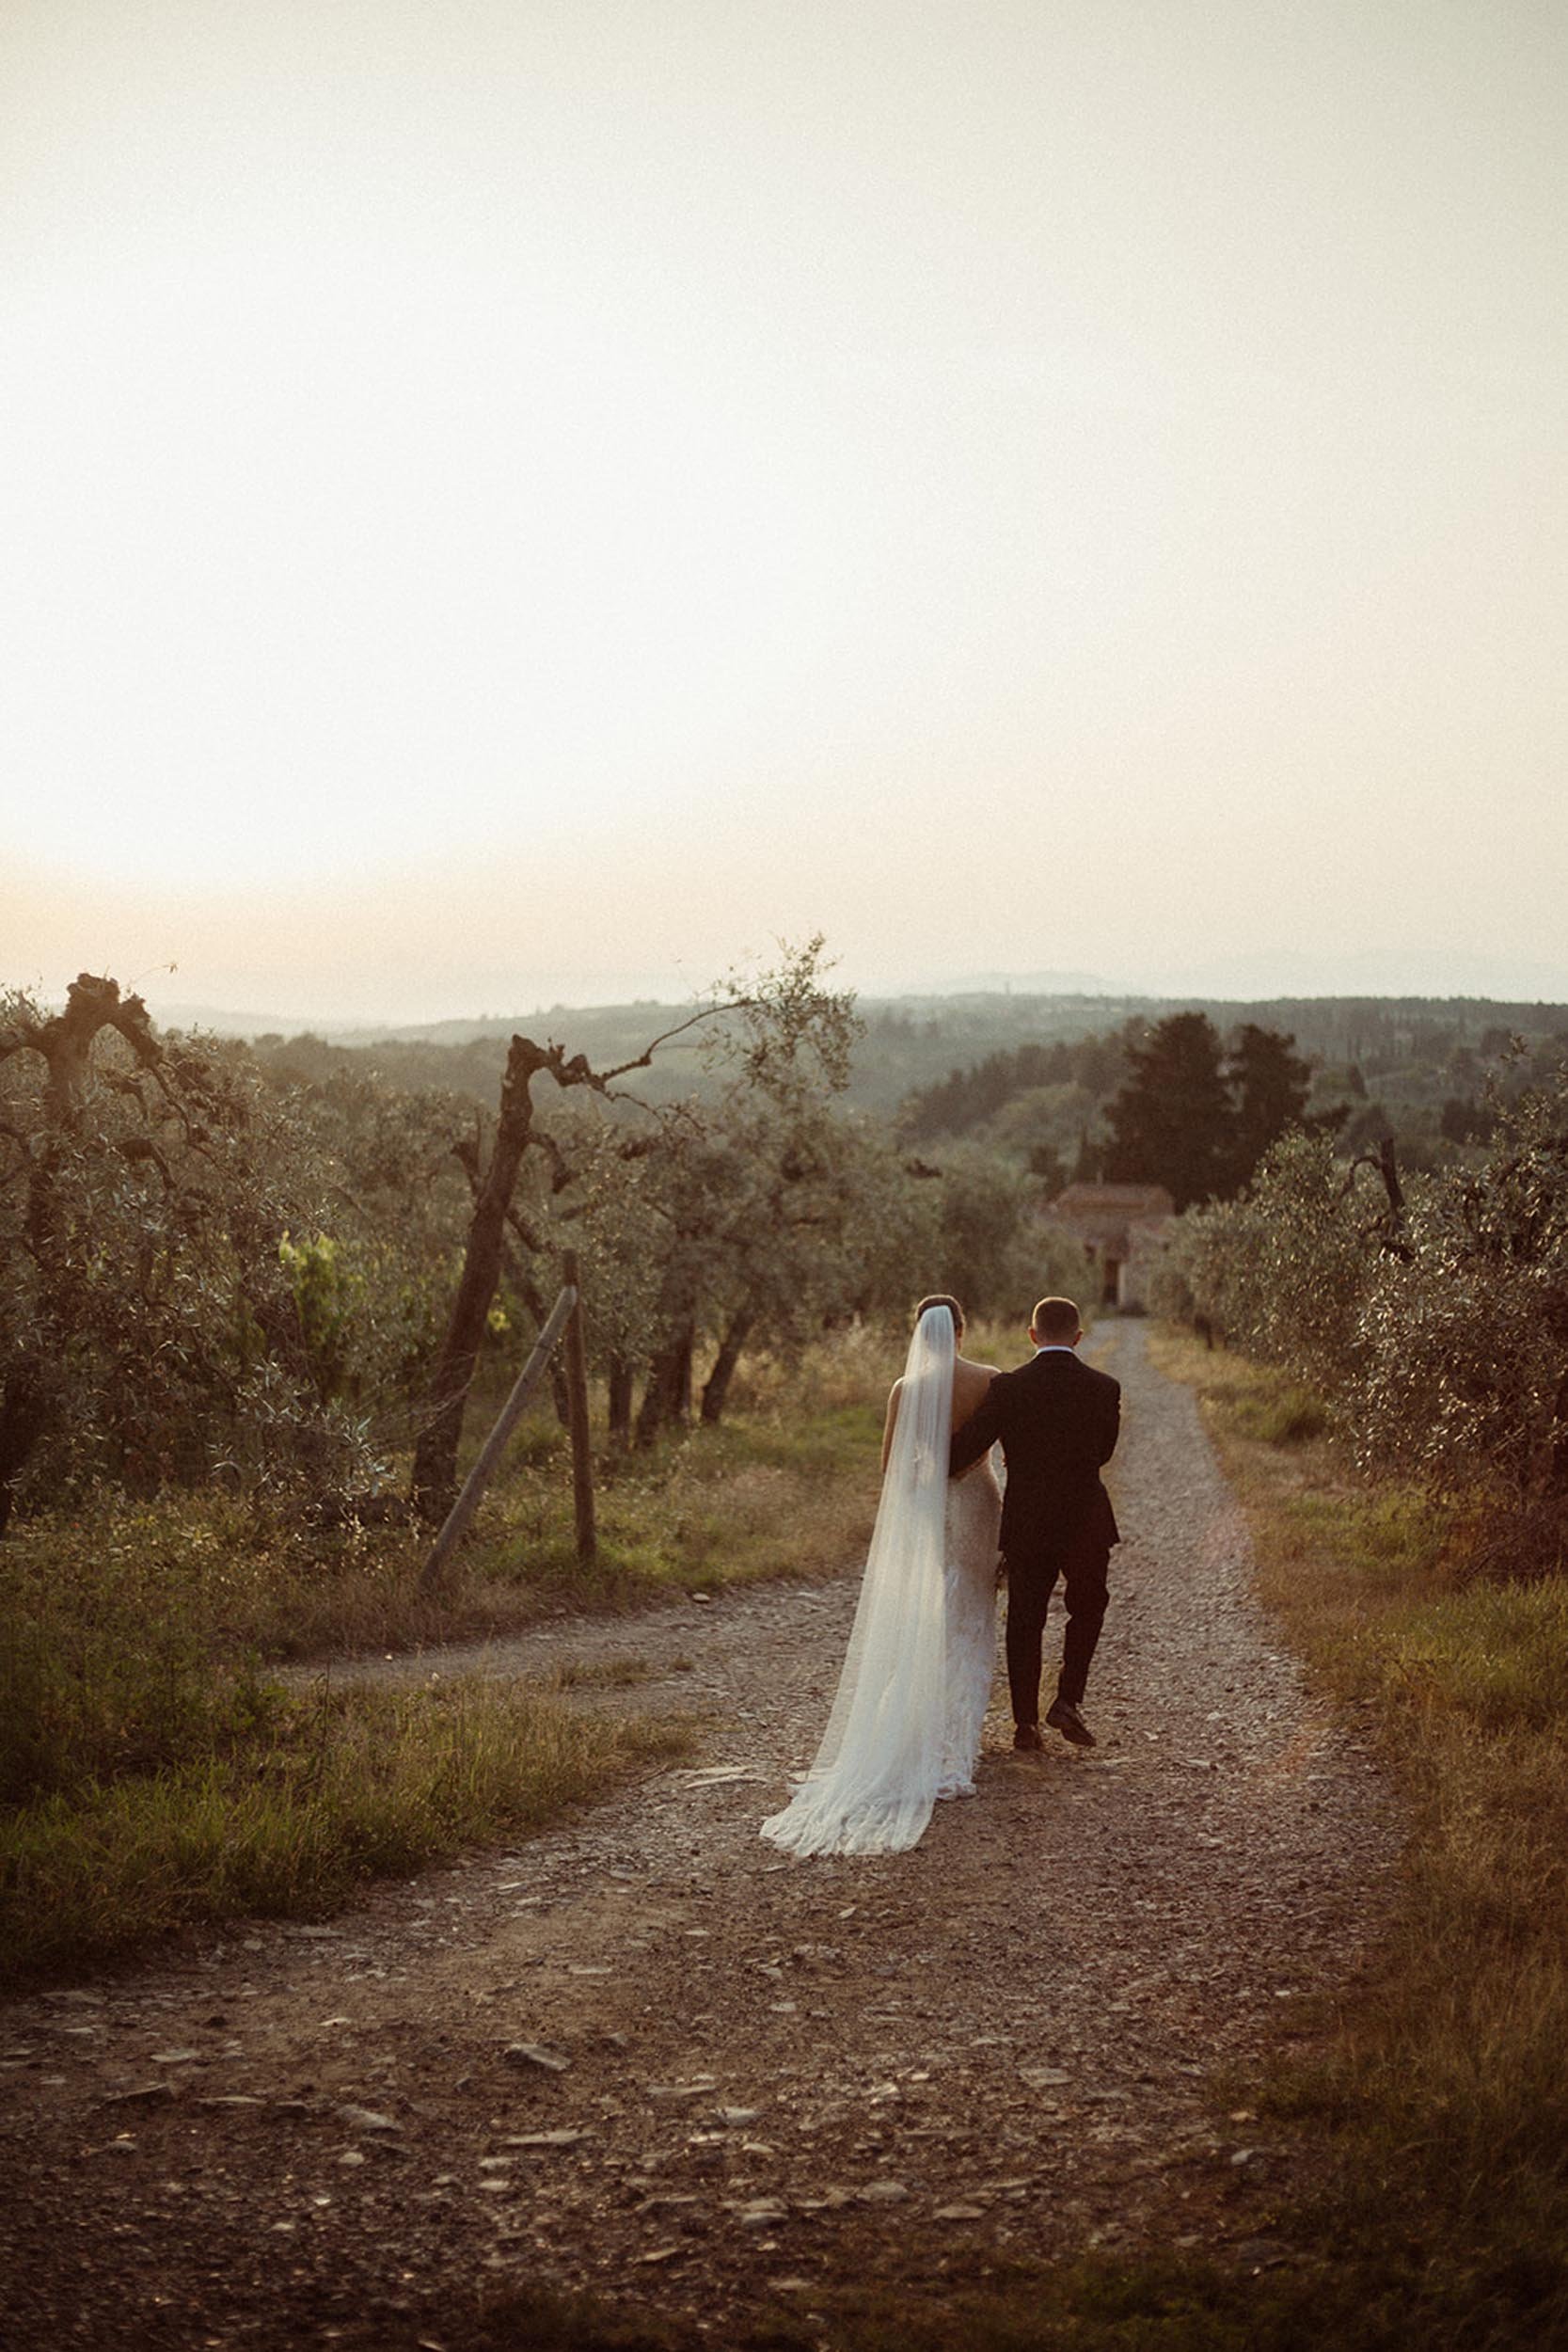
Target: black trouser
(1031, 1581)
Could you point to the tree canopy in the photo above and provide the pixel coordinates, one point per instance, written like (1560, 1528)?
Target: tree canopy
(1198, 1119)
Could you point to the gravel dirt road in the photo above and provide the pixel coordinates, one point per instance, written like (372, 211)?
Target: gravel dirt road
(646, 2055)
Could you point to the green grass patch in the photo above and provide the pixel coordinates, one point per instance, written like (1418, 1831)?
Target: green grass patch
(787, 1487)
(158, 1779)
(1285, 1415)
(107, 1605)
(322, 1793)
(1447, 2083)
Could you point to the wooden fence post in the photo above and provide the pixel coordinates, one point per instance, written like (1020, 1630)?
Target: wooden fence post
(577, 1399)
(489, 1454)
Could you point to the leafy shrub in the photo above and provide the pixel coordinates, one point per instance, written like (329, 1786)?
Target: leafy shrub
(1439, 1335)
(1465, 1376)
(150, 1331)
(1284, 1271)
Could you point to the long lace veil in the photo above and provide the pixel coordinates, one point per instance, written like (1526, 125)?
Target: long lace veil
(877, 1772)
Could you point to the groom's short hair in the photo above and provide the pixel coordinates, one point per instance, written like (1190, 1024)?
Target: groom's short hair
(1054, 1319)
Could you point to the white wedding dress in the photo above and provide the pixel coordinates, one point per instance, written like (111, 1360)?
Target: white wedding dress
(973, 1519)
(905, 1725)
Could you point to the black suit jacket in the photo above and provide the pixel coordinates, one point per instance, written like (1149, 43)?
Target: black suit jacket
(1058, 1420)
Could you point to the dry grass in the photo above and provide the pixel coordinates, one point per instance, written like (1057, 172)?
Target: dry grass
(1450, 2075)
(158, 1779)
(327, 1791)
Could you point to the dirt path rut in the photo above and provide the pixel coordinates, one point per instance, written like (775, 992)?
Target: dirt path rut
(646, 2054)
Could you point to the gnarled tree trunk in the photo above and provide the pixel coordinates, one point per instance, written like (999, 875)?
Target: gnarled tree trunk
(618, 1383)
(64, 1043)
(715, 1388)
(435, 1479)
(668, 1395)
(434, 1482)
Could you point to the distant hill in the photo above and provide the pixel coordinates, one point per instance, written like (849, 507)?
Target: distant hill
(911, 1042)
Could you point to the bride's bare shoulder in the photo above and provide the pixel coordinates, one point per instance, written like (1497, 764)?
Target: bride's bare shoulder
(970, 1382)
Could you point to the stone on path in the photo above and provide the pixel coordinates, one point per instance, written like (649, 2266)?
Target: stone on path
(536, 2054)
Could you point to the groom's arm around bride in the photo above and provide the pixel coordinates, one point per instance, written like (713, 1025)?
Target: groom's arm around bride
(1058, 1421)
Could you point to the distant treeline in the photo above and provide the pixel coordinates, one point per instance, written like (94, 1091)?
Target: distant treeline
(914, 1044)
(967, 1099)
(932, 1039)
(1429, 1078)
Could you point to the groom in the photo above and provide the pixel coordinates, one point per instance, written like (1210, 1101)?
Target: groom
(1058, 1421)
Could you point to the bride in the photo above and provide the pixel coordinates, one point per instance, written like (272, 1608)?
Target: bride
(905, 1725)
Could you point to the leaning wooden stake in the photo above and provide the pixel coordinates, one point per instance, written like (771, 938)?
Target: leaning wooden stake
(489, 1454)
(577, 1400)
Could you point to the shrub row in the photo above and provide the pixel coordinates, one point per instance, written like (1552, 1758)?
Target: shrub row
(1432, 1319)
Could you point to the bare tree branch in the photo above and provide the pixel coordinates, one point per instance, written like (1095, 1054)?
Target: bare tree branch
(643, 1059)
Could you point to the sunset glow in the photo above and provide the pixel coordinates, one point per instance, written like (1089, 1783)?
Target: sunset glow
(561, 495)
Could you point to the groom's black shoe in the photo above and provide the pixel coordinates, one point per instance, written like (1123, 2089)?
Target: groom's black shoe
(1028, 1736)
(1064, 1717)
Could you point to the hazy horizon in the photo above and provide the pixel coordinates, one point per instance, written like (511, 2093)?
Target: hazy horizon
(1243, 982)
(505, 508)
(369, 990)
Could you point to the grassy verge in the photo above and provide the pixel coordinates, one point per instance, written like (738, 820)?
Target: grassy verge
(126, 1592)
(1447, 2087)
(293, 1806)
(754, 1498)
(155, 1778)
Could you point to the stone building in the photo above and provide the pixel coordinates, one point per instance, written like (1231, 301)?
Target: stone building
(1124, 1229)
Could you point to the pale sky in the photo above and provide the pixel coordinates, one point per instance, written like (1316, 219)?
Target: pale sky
(507, 502)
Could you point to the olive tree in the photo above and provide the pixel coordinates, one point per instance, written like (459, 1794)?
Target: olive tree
(1433, 1313)
(783, 1035)
(149, 1323)
(1466, 1376)
(1284, 1270)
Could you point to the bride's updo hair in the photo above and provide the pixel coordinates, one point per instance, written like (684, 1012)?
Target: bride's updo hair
(942, 1298)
